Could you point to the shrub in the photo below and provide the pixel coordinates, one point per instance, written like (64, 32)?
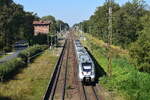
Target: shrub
(29, 52)
(140, 53)
(140, 49)
(11, 66)
(127, 80)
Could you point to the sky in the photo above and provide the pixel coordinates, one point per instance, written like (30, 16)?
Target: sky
(70, 11)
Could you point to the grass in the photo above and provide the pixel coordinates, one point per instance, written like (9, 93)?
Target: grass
(126, 82)
(32, 82)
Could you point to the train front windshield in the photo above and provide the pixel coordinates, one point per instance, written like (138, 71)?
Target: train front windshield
(87, 67)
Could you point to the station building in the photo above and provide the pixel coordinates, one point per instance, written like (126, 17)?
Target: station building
(41, 27)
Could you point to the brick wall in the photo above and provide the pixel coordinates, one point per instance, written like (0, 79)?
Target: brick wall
(41, 27)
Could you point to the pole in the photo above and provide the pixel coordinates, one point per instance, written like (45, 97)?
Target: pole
(60, 27)
(110, 38)
(51, 42)
(47, 39)
(81, 31)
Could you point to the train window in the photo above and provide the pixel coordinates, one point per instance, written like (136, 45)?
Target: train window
(77, 41)
(81, 50)
(87, 67)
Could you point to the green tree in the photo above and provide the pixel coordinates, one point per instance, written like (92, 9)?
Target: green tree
(27, 29)
(140, 50)
(15, 23)
(126, 22)
(61, 25)
(52, 20)
(55, 24)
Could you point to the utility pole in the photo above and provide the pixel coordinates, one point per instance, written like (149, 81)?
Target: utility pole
(60, 27)
(81, 30)
(110, 38)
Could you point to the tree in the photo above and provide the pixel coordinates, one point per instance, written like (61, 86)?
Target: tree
(5, 3)
(27, 28)
(53, 23)
(15, 23)
(126, 22)
(140, 50)
(60, 25)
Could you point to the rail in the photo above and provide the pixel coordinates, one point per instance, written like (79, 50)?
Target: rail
(64, 86)
(51, 88)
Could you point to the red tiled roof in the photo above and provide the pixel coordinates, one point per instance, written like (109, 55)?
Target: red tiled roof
(41, 22)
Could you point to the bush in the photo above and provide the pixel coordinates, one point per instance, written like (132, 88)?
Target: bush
(140, 50)
(8, 68)
(134, 85)
(12, 66)
(31, 51)
(140, 53)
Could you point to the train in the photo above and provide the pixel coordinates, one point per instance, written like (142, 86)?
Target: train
(85, 65)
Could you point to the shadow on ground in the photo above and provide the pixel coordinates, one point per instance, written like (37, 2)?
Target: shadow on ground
(5, 98)
(99, 70)
(59, 46)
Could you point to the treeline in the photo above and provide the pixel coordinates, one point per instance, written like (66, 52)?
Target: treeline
(17, 24)
(57, 25)
(131, 31)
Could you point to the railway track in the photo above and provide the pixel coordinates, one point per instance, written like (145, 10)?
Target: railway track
(89, 93)
(64, 84)
(66, 67)
(60, 86)
(57, 86)
(50, 92)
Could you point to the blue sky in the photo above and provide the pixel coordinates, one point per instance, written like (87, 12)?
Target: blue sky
(70, 11)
